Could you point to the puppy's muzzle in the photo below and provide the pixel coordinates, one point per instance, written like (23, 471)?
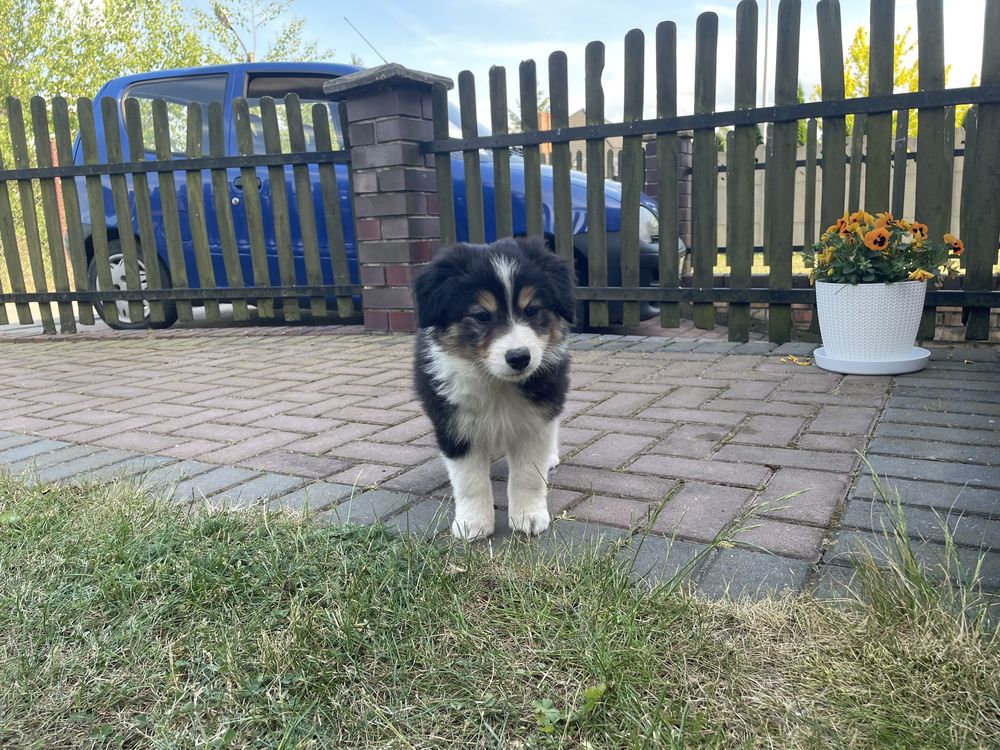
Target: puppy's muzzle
(519, 358)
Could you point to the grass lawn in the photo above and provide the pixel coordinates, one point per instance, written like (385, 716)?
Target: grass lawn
(124, 623)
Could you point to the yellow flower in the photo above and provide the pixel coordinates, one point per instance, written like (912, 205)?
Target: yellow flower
(956, 245)
(877, 239)
(921, 275)
(918, 230)
(862, 216)
(883, 220)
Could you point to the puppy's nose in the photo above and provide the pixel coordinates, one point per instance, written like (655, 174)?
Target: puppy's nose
(518, 359)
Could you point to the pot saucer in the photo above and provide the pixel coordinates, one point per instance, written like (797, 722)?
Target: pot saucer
(913, 361)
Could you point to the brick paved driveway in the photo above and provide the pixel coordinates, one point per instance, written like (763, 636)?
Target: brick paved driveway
(718, 430)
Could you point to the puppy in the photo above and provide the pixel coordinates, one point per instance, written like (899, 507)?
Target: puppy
(492, 372)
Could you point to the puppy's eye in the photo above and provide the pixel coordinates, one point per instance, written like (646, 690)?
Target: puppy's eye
(482, 316)
(530, 311)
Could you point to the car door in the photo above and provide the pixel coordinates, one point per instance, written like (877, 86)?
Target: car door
(309, 89)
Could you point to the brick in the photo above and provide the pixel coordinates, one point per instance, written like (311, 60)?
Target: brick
(389, 297)
(924, 523)
(407, 178)
(314, 496)
(362, 133)
(404, 432)
(743, 574)
(931, 494)
(701, 416)
(820, 493)
(375, 416)
(372, 275)
(779, 538)
(938, 434)
(687, 397)
(427, 518)
(397, 251)
(611, 451)
(404, 321)
(404, 455)
(51, 458)
(837, 443)
(612, 511)
(749, 389)
(261, 489)
(602, 482)
(385, 103)
(376, 320)
(572, 436)
(210, 482)
(299, 464)
(836, 582)
(225, 433)
(365, 474)
(135, 466)
(843, 420)
(778, 408)
(660, 561)
(739, 474)
(153, 474)
(411, 227)
(691, 441)
(936, 451)
(368, 229)
(84, 467)
(769, 430)
(14, 439)
(365, 181)
(366, 508)
(192, 448)
(421, 480)
(327, 440)
(290, 423)
(385, 155)
(95, 434)
(390, 204)
(936, 471)
(700, 511)
(253, 447)
(926, 416)
(787, 457)
(403, 128)
(28, 450)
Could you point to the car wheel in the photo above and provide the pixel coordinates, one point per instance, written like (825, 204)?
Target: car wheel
(116, 260)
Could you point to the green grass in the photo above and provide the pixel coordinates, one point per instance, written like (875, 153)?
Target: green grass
(124, 623)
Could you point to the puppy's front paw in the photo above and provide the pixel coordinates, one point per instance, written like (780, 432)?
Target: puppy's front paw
(471, 529)
(553, 460)
(531, 523)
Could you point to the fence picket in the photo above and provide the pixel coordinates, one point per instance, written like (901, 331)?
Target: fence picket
(330, 195)
(831, 60)
(857, 164)
(143, 207)
(705, 168)
(900, 148)
(740, 166)
(279, 207)
(879, 126)
(442, 167)
(968, 164)
(26, 195)
(470, 157)
(168, 205)
(304, 202)
(196, 210)
(809, 212)
(781, 184)
(930, 200)
(50, 211)
(123, 210)
(632, 171)
(12, 255)
(597, 247)
(501, 156)
(980, 197)
(251, 204)
(561, 195)
(666, 168)
(532, 160)
(224, 209)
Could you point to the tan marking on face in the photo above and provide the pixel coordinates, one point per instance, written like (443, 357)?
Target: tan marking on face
(487, 301)
(524, 298)
(557, 332)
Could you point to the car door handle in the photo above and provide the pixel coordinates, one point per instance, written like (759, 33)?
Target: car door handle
(238, 183)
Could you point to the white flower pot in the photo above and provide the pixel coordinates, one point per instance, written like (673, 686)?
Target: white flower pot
(871, 323)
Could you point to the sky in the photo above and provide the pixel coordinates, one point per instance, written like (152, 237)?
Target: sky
(448, 36)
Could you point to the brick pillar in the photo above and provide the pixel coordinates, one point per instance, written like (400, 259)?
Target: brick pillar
(395, 189)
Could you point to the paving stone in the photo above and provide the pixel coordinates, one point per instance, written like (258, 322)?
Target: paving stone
(612, 511)
(601, 482)
(965, 529)
(427, 519)
(910, 416)
(389, 453)
(84, 468)
(836, 582)
(366, 508)
(717, 347)
(812, 381)
(169, 473)
(264, 443)
(327, 440)
(766, 455)
(611, 451)
(935, 450)
(626, 426)
(699, 416)
(314, 496)
(821, 493)
(660, 561)
(949, 405)
(742, 574)
(958, 474)
(691, 441)
(299, 464)
(779, 538)
(700, 511)
(749, 389)
(365, 474)
(950, 395)
(687, 397)
(260, 489)
(932, 494)
(939, 434)
(51, 458)
(420, 480)
(209, 483)
(769, 430)
(778, 408)
(843, 420)
(405, 431)
(739, 474)
(754, 347)
(814, 441)
(14, 439)
(37, 447)
(567, 538)
(621, 404)
(132, 467)
(796, 349)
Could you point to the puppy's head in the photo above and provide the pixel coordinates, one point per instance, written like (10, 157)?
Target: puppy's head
(505, 306)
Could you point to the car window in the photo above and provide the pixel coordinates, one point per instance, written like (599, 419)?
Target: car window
(177, 92)
(310, 91)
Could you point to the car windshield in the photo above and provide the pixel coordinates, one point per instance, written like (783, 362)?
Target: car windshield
(455, 123)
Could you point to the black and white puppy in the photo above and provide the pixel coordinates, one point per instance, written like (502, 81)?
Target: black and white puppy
(492, 371)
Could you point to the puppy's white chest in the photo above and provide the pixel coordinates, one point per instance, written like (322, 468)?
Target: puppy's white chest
(494, 415)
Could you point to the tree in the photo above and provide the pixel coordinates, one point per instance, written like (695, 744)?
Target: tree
(514, 123)
(233, 26)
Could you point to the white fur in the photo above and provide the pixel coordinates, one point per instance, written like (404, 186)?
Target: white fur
(495, 418)
(519, 336)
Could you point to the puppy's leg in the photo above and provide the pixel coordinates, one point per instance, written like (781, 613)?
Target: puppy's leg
(554, 446)
(527, 502)
(470, 484)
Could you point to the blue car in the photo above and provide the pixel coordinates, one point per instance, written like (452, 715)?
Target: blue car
(255, 81)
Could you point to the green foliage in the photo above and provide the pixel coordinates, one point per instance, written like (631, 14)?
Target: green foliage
(233, 25)
(865, 249)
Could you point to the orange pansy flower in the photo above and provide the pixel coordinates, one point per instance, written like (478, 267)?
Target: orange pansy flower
(957, 246)
(877, 239)
(918, 230)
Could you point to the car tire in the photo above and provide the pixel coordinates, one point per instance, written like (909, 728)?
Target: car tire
(124, 323)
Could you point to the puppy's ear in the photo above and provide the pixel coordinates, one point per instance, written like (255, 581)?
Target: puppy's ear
(558, 275)
(434, 289)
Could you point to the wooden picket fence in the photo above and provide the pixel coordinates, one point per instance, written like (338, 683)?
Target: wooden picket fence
(63, 258)
(872, 141)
